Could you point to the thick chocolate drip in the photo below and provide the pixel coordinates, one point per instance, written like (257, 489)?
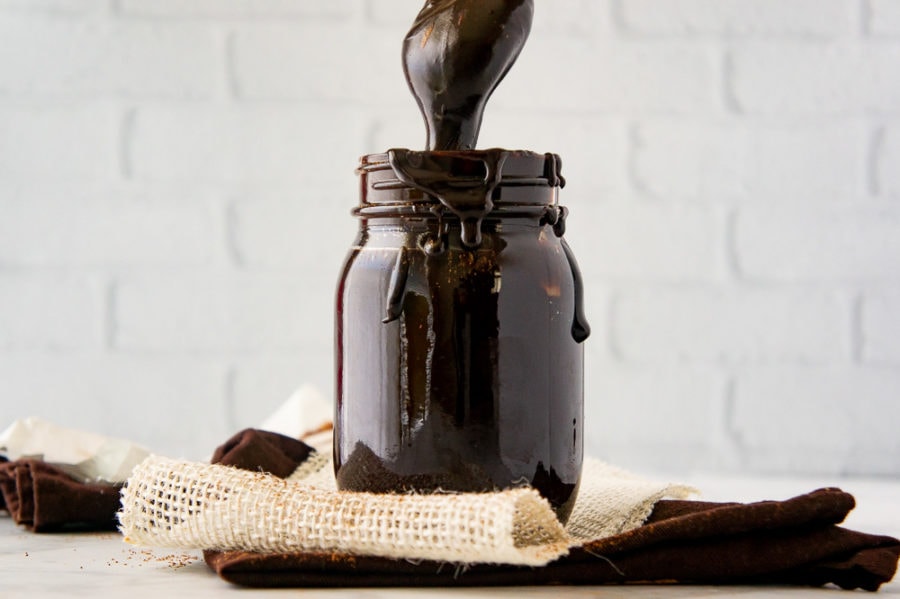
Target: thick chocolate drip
(455, 55)
(467, 194)
(581, 330)
(397, 287)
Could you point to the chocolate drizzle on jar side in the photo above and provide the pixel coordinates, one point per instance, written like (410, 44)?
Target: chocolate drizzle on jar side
(455, 55)
(464, 183)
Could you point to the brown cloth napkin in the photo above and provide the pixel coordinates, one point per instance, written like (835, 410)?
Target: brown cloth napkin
(793, 542)
(44, 498)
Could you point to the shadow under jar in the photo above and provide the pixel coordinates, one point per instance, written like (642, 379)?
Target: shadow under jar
(459, 329)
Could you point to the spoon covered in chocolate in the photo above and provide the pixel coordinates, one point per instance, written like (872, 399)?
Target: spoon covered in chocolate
(455, 55)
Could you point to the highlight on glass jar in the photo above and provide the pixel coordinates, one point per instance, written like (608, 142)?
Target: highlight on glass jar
(459, 329)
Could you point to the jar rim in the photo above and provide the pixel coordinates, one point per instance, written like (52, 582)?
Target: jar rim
(521, 168)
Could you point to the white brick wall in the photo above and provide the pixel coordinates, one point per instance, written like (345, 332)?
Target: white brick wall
(246, 313)
(880, 324)
(733, 167)
(604, 75)
(886, 173)
(764, 161)
(62, 7)
(776, 18)
(238, 9)
(674, 433)
(44, 140)
(63, 57)
(803, 77)
(640, 241)
(50, 312)
(734, 326)
(884, 17)
(80, 227)
(295, 145)
(169, 402)
(817, 419)
(827, 243)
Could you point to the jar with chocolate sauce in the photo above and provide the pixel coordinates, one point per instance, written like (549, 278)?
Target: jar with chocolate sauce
(459, 329)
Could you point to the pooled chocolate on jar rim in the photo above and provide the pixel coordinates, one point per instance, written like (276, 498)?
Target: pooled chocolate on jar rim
(455, 56)
(463, 182)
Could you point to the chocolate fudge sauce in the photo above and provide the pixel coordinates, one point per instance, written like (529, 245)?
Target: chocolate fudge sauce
(459, 310)
(455, 55)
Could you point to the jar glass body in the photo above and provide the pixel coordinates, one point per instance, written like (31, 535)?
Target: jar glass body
(476, 383)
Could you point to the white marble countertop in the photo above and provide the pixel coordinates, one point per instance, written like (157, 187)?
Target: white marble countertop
(102, 565)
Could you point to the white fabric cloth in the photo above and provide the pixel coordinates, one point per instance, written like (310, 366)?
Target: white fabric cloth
(306, 409)
(86, 456)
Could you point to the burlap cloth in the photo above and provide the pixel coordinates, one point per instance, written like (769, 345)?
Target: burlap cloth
(171, 503)
(268, 515)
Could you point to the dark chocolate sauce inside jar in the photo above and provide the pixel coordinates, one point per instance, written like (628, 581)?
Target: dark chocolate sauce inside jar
(460, 367)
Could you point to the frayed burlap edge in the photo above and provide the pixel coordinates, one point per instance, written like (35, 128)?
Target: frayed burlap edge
(612, 501)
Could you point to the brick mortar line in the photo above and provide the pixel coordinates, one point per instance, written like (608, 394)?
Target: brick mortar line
(857, 330)
(876, 147)
(109, 320)
(865, 18)
(126, 139)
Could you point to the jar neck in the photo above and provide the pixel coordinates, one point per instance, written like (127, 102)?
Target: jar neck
(468, 186)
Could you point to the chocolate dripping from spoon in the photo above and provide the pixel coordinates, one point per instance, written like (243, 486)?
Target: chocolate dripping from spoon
(455, 56)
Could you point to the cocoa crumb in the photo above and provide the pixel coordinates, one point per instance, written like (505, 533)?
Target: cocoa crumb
(172, 560)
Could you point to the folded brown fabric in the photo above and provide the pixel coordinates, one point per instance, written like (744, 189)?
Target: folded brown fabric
(253, 449)
(3, 507)
(44, 498)
(792, 542)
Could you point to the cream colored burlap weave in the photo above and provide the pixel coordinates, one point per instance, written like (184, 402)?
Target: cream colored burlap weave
(170, 503)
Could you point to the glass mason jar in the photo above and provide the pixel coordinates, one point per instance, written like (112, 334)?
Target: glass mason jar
(459, 329)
